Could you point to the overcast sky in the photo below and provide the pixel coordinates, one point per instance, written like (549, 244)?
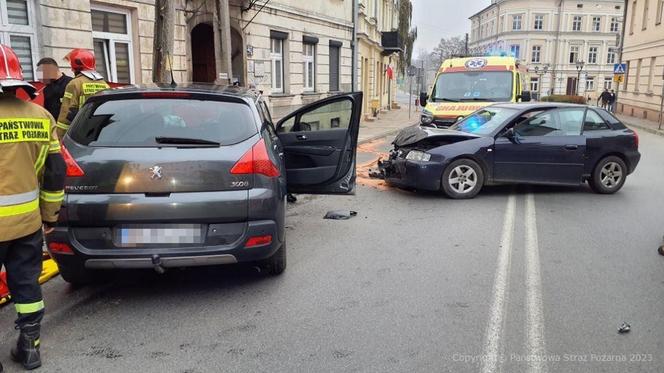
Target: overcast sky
(436, 19)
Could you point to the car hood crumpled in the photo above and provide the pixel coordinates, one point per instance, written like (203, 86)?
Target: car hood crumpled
(413, 135)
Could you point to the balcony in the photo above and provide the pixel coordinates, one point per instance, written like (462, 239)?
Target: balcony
(390, 42)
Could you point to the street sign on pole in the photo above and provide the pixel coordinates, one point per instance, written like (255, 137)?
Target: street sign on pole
(619, 68)
(412, 70)
(618, 78)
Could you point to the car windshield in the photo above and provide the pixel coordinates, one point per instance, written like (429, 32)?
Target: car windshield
(474, 86)
(157, 122)
(485, 121)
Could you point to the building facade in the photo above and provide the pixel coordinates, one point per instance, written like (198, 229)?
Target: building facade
(378, 54)
(643, 52)
(294, 51)
(551, 36)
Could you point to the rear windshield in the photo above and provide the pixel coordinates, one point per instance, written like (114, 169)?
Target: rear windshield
(138, 122)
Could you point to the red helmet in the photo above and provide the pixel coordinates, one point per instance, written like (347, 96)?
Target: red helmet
(81, 60)
(11, 74)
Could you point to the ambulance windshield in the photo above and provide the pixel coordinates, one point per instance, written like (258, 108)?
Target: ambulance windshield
(493, 86)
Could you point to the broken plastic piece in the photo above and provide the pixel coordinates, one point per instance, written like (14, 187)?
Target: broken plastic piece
(340, 214)
(291, 198)
(376, 174)
(661, 250)
(624, 328)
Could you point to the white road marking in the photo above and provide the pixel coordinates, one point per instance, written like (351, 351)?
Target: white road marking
(492, 351)
(535, 323)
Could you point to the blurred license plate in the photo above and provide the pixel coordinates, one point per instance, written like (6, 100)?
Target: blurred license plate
(163, 235)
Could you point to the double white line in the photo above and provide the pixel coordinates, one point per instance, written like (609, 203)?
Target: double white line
(493, 351)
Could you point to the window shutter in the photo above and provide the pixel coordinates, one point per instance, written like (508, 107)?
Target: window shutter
(109, 22)
(122, 62)
(23, 49)
(17, 12)
(334, 67)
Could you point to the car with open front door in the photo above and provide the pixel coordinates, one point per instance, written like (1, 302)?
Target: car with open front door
(556, 144)
(192, 176)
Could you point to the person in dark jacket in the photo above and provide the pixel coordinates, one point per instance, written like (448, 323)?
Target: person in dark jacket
(612, 100)
(604, 97)
(55, 81)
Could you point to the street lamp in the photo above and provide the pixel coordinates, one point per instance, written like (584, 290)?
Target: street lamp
(540, 73)
(579, 67)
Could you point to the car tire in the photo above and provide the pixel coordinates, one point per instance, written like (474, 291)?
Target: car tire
(276, 264)
(469, 179)
(609, 175)
(77, 275)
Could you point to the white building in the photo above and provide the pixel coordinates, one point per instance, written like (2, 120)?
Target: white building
(554, 34)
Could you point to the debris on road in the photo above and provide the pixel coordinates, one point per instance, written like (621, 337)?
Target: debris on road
(290, 198)
(340, 214)
(624, 328)
(376, 174)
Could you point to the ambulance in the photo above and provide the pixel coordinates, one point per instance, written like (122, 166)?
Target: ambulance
(464, 85)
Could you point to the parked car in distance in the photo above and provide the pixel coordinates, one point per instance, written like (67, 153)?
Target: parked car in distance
(538, 143)
(194, 176)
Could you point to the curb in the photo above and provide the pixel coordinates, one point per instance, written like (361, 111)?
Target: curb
(384, 134)
(654, 131)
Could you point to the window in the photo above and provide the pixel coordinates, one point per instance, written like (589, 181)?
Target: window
(332, 115)
(611, 56)
(576, 23)
(651, 77)
(515, 49)
(309, 60)
(637, 76)
(615, 26)
(594, 122)
(534, 84)
(660, 12)
(573, 53)
(277, 61)
(335, 60)
(111, 33)
(18, 31)
(597, 24)
(592, 55)
(590, 83)
(644, 25)
(608, 83)
(562, 122)
(539, 22)
(537, 53)
(632, 19)
(516, 22)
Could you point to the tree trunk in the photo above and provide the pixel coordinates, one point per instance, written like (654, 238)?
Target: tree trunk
(164, 41)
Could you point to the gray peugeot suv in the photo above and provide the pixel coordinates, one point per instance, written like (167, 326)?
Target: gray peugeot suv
(194, 175)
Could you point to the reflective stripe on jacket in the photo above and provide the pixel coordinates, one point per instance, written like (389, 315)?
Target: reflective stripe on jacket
(32, 169)
(76, 93)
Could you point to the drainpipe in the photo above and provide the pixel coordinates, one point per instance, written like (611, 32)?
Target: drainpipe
(620, 52)
(353, 45)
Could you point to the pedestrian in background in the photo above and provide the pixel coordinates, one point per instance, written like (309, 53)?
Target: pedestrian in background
(604, 98)
(55, 82)
(612, 101)
(31, 191)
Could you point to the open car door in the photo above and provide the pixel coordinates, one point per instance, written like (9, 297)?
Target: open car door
(319, 144)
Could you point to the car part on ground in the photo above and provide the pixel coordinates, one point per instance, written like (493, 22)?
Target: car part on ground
(340, 214)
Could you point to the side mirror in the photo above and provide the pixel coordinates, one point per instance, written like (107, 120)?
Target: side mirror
(525, 96)
(423, 99)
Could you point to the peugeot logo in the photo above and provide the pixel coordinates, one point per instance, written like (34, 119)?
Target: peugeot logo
(477, 63)
(156, 172)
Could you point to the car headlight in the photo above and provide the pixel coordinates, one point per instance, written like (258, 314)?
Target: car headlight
(416, 155)
(427, 117)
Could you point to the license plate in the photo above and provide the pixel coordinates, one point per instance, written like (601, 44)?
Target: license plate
(176, 234)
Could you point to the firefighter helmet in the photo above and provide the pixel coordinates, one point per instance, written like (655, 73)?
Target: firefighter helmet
(81, 60)
(11, 74)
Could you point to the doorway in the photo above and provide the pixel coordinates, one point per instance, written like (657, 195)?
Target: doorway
(571, 86)
(202, 53)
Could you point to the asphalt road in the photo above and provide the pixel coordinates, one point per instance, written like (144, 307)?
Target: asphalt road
(415, 282)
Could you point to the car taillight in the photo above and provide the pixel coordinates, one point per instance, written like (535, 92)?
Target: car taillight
(73, 169)
(60, 248)
(636, 139)
(258, 241)
(256, 161)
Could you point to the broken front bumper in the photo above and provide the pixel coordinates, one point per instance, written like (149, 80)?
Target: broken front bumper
(409, 174)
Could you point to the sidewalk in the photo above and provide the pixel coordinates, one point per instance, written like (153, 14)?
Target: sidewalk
(642, 124)
(387, 123)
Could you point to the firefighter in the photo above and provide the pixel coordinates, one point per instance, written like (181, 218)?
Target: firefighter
(31, 191)
(86, 83)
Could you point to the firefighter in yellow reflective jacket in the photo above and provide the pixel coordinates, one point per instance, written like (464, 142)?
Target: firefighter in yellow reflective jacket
(31, 191)
(86, 83)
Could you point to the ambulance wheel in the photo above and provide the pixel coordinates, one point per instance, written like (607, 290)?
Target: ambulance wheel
(77, 275)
